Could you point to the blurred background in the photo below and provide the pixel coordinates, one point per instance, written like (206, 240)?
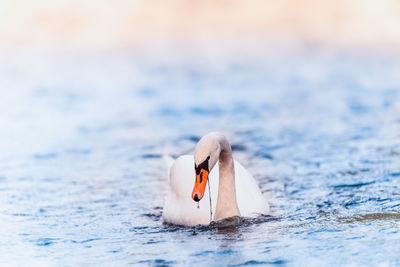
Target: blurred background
(94, 93)
(202, 30)
(52, 43)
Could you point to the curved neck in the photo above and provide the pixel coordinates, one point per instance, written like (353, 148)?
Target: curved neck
(226, 203)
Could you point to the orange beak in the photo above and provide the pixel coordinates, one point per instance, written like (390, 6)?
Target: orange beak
(200, 185)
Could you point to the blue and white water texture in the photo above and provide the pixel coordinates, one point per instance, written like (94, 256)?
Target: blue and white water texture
(82, 178)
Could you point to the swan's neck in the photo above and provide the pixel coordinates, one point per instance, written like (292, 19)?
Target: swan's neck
(226, 203)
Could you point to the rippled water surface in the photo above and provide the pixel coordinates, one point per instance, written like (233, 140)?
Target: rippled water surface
(82, 179)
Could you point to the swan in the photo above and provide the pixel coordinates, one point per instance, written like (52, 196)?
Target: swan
(234, 191)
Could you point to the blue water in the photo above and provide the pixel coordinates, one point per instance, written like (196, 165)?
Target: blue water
(82, 180)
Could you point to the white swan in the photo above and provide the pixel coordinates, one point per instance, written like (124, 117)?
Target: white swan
(234, 191)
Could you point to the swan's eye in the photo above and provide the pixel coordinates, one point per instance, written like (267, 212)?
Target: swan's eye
(197, 169)
(203, 165)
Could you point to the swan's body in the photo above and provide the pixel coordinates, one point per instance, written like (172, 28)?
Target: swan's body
(234, 191)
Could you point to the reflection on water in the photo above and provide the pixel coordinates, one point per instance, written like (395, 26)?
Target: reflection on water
(82, 178)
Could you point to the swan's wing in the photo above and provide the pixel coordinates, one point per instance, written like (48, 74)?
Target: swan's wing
(168, 162)
(249, 197)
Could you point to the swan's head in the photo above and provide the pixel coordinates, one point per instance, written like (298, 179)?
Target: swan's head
(206, 155)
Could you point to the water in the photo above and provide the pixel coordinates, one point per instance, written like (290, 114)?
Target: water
(82, 180)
